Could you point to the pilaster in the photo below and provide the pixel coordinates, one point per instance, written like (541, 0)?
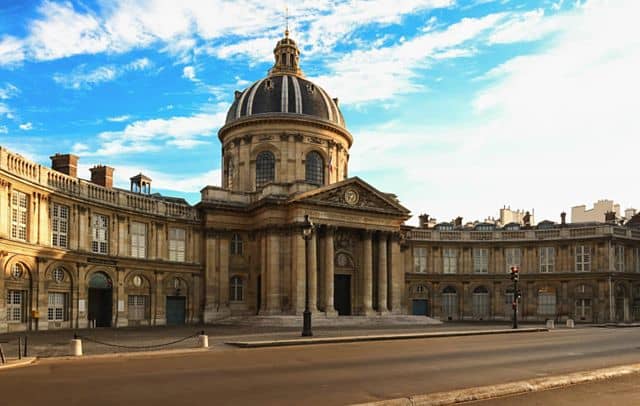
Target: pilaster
(382, 273)
(367, 274)
(329, 272)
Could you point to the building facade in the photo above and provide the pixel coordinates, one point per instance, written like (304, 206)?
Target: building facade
(81, 253)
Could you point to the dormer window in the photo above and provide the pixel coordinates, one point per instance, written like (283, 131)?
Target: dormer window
(268, 84)
(512, 227)
(444, 227)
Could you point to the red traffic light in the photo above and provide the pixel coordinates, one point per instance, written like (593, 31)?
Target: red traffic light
(515, 269)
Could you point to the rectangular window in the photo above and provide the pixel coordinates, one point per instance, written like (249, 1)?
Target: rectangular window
(100, 234)
(19, 215)
(480, 260)
(177, 237)
(547, 259)
(420, 259)
(620, 258)
(513, 257)
(16, 306)
(57, 307)
(138, 307)
(583, 258)
(59, 225)
(449, 260)
(138, 240)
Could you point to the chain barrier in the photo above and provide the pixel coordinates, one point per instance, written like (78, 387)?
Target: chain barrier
(137, 347)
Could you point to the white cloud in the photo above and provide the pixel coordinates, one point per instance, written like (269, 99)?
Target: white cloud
(182, 132)
(8, 91)
(6, 111)
(119, 119)
(528, 26)
(4, 129)
(189, 72)
(26, 126)
(11, 51)
(552, 129)
(80, 78)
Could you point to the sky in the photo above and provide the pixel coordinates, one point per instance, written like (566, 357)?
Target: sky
(458, 107)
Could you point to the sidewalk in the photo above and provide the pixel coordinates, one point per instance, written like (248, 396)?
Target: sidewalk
(56, 343)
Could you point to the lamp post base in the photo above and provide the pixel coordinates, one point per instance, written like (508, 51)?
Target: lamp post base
(306, 324)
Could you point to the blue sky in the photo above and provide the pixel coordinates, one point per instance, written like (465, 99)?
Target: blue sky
(458, 107)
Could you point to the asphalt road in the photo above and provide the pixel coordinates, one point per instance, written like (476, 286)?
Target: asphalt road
(331, 374)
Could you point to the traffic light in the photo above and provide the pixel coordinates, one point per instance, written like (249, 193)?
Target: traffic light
(515, 273)
(518, 294)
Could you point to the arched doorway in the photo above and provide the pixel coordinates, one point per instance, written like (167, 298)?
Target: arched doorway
(100, 300)
(342, 289)
(419, 300)
(176, 304)
(449, 303)
(480, 303)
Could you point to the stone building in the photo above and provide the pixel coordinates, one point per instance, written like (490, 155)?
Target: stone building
(81, 253)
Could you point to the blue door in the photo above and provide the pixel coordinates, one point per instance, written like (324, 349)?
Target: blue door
(175, 310)
(420, 307)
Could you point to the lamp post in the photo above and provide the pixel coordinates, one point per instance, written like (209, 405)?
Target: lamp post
(307, 233)
(515, 276)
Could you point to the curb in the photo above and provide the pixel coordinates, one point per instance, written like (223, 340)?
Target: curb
(18, 363)
(507, 389)
(132, 354)
(382, 337)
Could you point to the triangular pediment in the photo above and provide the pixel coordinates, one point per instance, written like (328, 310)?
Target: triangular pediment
(356, 194)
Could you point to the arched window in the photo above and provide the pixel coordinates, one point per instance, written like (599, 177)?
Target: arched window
(265, 168)
(314, 168)
(236, 245)
(480, 303)
(236, 287)
(229, 172)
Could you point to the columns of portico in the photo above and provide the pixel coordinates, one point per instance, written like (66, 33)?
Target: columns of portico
(329, 271)
(313, 274)
(382, 273)
(396, 273)
(367, 274)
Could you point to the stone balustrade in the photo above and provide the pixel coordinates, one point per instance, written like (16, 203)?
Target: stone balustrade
(21, 167)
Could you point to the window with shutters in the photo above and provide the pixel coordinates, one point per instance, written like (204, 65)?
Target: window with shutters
(57, 310)
(59, 225)
(16, 306)
(480, 303)
(100, 234)
(583, 258)
(449, 302)
(513, 257)
(480, 260)
(420, 259)
(546, 303)
(547, 259)
(177, 239)
(19, 215)
(449, 260)
(138, 240)
(137, 307)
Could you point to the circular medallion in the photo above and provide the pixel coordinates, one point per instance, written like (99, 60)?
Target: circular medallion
(137, 281)
(351, 196)
(17, 271)
(58, 275)
(342, 260)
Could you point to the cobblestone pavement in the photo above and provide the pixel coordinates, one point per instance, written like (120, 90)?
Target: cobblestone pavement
(57, 342)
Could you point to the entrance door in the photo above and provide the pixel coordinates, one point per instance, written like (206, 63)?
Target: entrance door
(420, 307)
(342, 294)
(100, 300)
(175, 310)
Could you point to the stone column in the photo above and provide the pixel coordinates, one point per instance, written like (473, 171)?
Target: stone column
(367, 274)
(298, 263)
(82, 296)
(329, 272)
(382, 273)
(273, 273)
(160, 304)
(40, 294)
(396, 273)
(313, 274)
(121, 315)
(210, 284)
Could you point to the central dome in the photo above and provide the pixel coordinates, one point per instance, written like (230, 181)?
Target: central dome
(285, 91)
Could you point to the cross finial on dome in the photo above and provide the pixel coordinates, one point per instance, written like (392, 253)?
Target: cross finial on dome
(286, 19)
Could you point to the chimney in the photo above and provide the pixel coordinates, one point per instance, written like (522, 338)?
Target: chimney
(563, 218)
(458, 222)
(424, 220)
(65, 163)
(527, 220)
(102, 175)
(610, 217)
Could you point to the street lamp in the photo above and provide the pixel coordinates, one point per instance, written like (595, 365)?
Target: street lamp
(515, 276)
(307, 233)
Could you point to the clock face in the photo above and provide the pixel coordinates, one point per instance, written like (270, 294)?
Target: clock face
(351, 196)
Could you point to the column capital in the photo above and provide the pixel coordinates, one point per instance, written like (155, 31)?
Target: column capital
(366, 234)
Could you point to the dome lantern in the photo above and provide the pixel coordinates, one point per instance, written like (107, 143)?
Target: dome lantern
(287, 57)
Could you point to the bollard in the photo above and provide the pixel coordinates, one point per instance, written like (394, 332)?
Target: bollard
(203, 341)
(25, 346)
(551, 324)
(76, 347)
(571, 323)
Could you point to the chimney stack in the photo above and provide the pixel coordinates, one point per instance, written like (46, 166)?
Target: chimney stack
(102, 175)
(527, 220)
(610, 217)
(65, 163)
(563, 218)
(424, 220)
(458, 222)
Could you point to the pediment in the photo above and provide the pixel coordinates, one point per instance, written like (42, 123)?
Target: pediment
(355, 194)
